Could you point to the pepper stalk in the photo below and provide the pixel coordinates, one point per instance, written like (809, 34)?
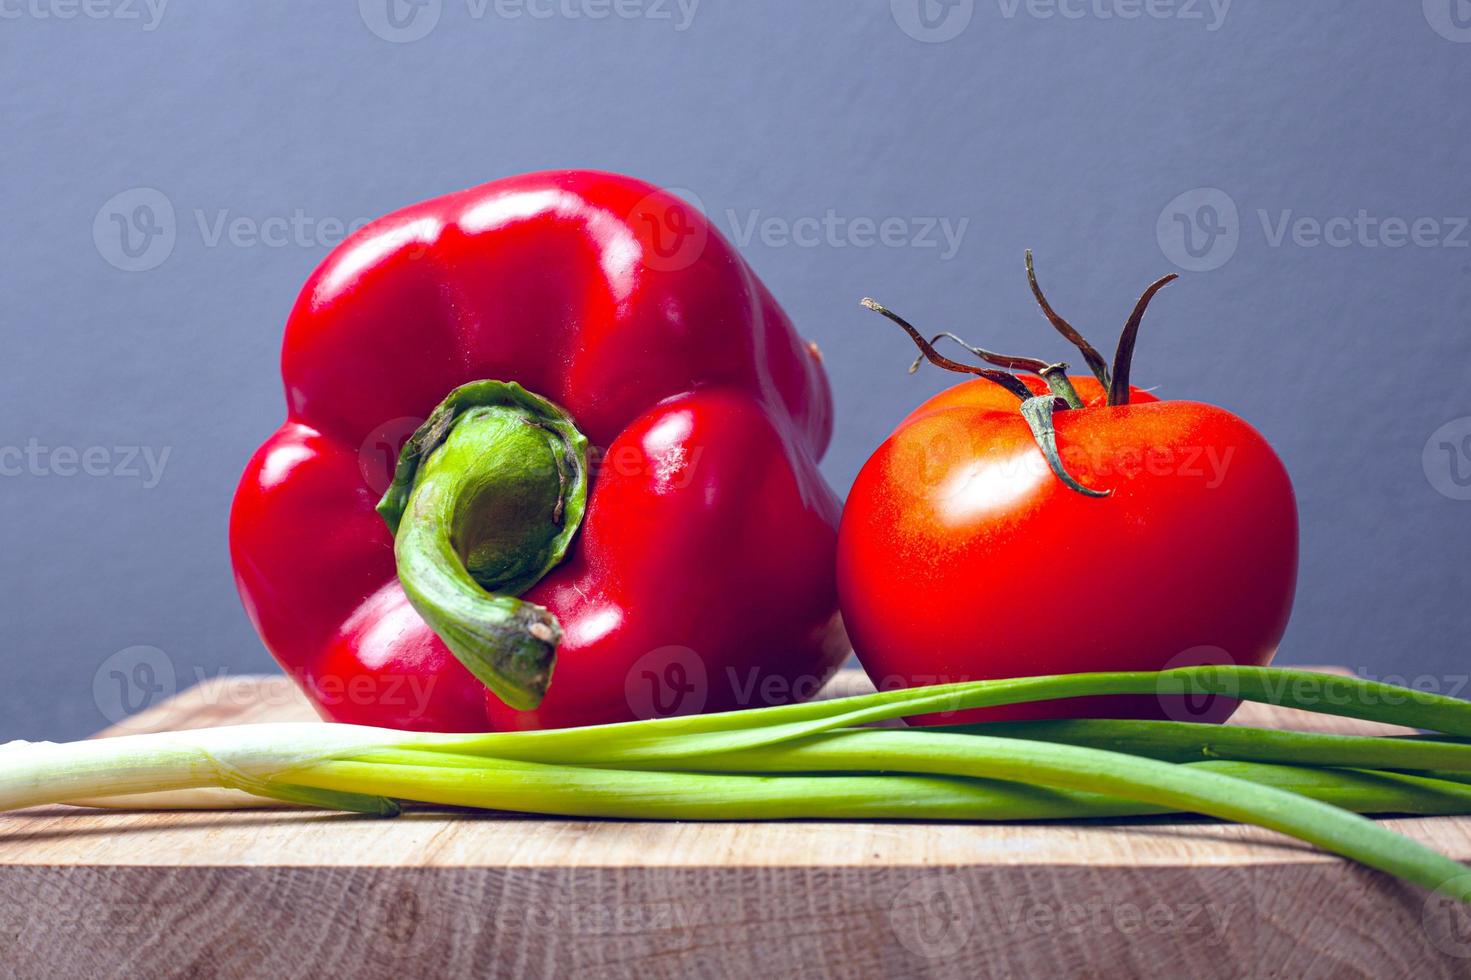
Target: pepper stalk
(486, 499)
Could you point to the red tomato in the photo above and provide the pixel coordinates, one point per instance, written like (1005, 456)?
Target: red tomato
(962, 557)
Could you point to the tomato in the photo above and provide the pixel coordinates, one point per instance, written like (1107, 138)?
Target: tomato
(963, 556)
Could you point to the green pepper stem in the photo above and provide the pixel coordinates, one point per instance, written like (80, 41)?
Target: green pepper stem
(487, 498)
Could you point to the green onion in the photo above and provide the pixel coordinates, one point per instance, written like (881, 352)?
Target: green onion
(1307, 690)
(579, 791)
(1174, 741)
(807, 760)
(1116, 774)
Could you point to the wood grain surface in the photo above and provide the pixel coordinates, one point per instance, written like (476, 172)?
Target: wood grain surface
(291, 893)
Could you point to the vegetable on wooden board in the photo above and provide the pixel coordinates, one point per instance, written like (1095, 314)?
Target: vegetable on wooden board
(1037, 523)
(809, 761)
(593, 394)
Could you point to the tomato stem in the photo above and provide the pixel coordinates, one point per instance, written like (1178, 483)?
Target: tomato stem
(1036, 410)
(1038, 413)
(1054, 374)
(1061, 385)
(1095, 360)
(1010, 382)
(1123, 358)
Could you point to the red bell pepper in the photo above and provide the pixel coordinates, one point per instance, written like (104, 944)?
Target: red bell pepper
(616, 476)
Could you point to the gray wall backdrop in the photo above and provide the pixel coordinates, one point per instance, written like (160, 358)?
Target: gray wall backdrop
(1095, 131)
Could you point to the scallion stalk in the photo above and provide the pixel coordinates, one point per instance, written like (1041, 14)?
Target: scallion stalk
(806, 760)
(1174, 741)
(677, 795)
(702, 734)
(1114, 774)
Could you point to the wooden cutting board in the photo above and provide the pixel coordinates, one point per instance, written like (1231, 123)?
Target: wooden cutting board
(296, 893)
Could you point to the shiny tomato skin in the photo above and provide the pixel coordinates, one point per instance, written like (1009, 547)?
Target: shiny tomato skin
(961, 557)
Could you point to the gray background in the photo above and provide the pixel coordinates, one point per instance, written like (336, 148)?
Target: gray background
(1074, 135)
